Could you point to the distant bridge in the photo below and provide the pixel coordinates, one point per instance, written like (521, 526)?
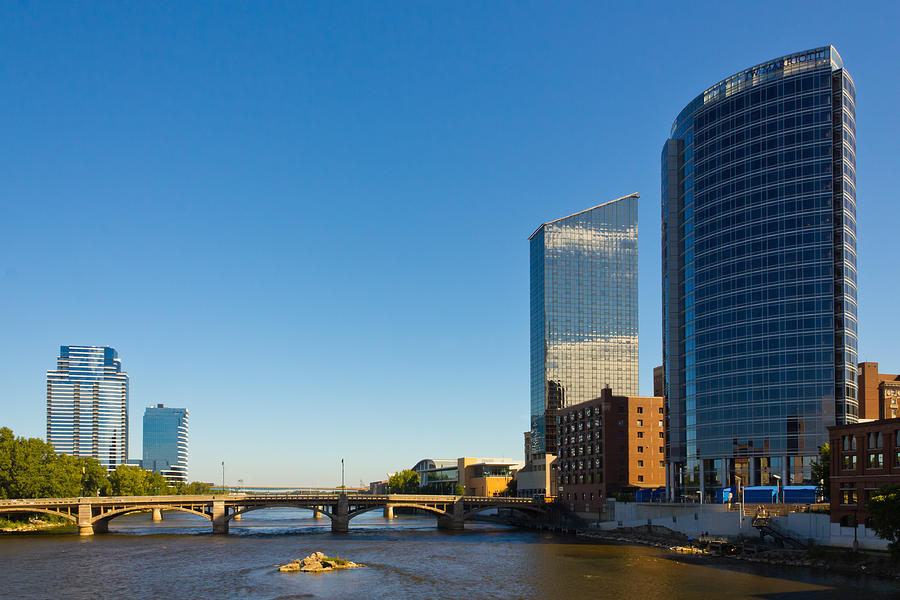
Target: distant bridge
(93, 514)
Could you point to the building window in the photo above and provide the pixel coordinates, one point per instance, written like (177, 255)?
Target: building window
(848, 494)
(662, 463)
(660, 411)
(620, 423)
(849, 462)
(660, 423)
(640, 434)
(876, 460)
(640, 463)
(640, 410)
(640, 422)
(640, 478)
(661, 435)
(640, 449)
(661, 450)
(848, 442)
(874, 439)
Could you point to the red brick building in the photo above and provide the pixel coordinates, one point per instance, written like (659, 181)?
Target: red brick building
(878, 393)
(609, 444)
(864, 457)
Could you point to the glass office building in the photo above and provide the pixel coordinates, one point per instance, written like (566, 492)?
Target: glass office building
(759, 274)
(584, 312)
(87, 405)
(166, 441)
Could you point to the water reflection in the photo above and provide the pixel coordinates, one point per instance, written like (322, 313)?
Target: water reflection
(406, 557)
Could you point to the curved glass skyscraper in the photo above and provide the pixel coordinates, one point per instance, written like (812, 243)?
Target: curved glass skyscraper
(584, 314)
(87, 405)
(759, 273)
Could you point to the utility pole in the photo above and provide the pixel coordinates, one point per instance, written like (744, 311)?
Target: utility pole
(223, 476)
(343, 489)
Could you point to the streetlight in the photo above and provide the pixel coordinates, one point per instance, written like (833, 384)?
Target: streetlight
(343, 490)
(740, 482)
(777, 479)
(223, 476)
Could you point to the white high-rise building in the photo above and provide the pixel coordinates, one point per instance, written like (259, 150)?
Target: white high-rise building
(87, 405)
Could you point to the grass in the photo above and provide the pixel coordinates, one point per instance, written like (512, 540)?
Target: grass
(336, 560)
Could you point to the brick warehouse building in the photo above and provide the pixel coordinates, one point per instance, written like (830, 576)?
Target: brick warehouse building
(864, 457)
(609, 444)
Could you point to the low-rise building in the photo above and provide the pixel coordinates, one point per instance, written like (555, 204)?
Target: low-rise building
(536, 478)
(608, 445)
(864, 457)
(476, 476)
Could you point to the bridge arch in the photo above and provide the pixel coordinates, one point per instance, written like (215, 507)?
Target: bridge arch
(109, 516)
(533, 510)
(28, 510)
(247, 509)
(429, 509)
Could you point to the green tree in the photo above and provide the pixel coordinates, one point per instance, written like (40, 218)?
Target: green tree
(403, 482)
(459, 490)
(129, 480)
(884, 509)
(30, 468)
(195, 488)
(821, 470)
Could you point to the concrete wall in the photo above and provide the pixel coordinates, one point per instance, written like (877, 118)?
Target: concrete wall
(715, 519)
(843, 537)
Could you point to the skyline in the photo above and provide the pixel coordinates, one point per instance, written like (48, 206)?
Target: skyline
(187, 221)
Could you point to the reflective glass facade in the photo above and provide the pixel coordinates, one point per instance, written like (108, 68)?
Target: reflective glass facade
(584, 312)
(759, 273)
(166, 441)
(87, 405)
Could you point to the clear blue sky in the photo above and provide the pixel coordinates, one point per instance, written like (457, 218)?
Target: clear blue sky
(307, 222)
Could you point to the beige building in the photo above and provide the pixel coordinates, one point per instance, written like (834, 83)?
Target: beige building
(476, 476)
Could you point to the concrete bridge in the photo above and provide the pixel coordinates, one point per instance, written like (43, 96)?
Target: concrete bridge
(93, 514)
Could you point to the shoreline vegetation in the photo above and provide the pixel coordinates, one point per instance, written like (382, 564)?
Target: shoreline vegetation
(35, 524)
(843, 561)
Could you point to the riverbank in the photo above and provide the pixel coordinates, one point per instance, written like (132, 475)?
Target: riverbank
(34, 524)
(834, 560)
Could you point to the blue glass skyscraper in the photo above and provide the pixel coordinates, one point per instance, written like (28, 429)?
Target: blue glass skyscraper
(759, 273)
(166, 441)
(87, 405)
(584, 312)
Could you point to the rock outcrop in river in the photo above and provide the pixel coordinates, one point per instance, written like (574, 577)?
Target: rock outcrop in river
(317, 562)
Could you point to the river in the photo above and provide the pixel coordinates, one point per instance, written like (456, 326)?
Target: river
(406, 558)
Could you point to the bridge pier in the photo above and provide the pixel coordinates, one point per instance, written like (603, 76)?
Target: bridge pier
(157, 514)
(85, 527)
(317, 514)
(454, 519)
(219, 517)
(340, 522)
(389, 512)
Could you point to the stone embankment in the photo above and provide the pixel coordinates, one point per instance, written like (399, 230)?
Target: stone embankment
(317, 562)
(834, 560)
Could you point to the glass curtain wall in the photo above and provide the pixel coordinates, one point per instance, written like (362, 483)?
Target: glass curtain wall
(759, 274)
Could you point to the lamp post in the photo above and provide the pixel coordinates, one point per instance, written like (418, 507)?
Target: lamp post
(343, 490)
(740, 482)
(777, 479)
(82, 481)
(223, 476)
